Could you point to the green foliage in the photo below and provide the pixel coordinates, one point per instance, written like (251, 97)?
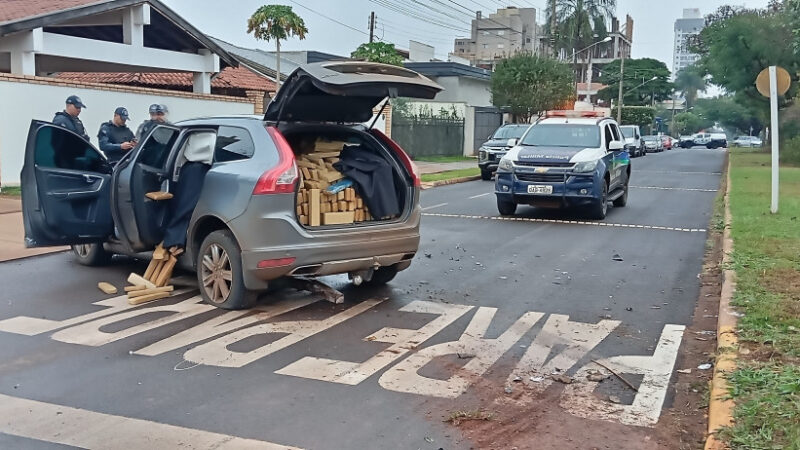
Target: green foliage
(637, 71)
(381, 52)
(688, 123)
(276, 22)
(404, 108)
(730, 114)
(580, 23)
(690, 81)
(790, 151)
(636, 115)
(451, 174)
(526, 84)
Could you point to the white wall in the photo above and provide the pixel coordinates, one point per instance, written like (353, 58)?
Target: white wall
(23, 102)
(471, 91)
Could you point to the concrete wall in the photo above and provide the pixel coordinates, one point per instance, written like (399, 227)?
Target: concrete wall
(27, 98)
(467, 90)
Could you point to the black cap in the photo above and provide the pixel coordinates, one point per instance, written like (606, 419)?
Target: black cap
(75, 100)
(155, 108)
(122, 112)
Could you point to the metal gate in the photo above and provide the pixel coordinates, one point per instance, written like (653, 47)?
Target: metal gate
(429, 136)
(487, 120)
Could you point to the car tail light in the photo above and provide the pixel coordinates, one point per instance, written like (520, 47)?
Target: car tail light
(280, 262)
(282, 178)
(404, 158)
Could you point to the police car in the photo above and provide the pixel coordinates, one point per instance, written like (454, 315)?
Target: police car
(568, 159)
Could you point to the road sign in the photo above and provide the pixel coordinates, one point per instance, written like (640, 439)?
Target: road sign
(784, 81)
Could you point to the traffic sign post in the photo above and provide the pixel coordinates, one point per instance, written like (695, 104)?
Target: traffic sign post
(772, 82)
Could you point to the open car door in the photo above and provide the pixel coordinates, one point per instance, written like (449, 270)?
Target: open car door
(66, 194)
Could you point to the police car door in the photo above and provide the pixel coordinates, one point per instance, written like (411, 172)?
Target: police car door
(622, 158)
(610, 158)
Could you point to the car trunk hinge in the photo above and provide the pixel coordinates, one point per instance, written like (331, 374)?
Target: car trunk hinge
(380, 113)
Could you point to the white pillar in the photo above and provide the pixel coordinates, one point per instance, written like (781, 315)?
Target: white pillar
(133, 21)
(589, 74)
(201, 83)
(23, 63)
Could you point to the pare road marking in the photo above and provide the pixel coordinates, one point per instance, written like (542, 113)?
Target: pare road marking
(674, 188)
(89, 429)
(481, 195)
(560, 344)
(571, 222)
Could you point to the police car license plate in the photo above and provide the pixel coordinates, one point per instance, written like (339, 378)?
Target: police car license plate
(540, 189)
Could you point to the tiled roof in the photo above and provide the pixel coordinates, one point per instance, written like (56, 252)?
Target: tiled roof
(230, 77)
(13, 10)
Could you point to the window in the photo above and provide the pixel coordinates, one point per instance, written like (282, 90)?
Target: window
(568, 135)
(500, 32)
(233, 144)
(501, 46)
(59, 148)
(155, 150)
(485, 45)
(528, 40)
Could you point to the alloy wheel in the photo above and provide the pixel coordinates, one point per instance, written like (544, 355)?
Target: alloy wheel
(217, 274)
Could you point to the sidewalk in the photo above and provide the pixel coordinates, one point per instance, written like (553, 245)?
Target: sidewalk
(12, 233)
(429, 167)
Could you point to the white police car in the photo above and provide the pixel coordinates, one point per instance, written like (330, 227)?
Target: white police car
(567, 159)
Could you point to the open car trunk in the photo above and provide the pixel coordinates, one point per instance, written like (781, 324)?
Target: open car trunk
(347, 177)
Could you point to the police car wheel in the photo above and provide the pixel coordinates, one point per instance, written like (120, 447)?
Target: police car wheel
(506, 208)
(91, 254)
(599, 209)
(486, 175)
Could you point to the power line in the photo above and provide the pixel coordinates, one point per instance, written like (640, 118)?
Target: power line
(416, 15)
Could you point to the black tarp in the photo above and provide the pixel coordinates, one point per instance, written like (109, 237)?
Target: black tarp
(374, 180)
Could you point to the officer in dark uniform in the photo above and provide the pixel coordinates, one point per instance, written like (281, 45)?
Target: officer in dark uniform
(115, 137)
(69, 117)
(158, 116)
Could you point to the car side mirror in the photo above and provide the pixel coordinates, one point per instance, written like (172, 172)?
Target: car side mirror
(615, 146)
(512, 142)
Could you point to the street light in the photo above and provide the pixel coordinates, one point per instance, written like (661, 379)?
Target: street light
(575, 60)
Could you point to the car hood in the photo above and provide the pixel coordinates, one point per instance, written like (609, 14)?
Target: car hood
(344, 91)
(545, 154)
(502, 143)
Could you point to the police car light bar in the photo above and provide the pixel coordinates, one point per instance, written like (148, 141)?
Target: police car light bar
(573, 114)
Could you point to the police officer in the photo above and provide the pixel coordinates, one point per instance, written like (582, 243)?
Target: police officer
(115, 137)
(69, 117)
(158, 116)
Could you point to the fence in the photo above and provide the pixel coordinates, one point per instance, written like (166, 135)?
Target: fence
(429, 136)
(487, 120)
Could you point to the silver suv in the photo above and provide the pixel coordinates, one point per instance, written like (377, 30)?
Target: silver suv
(244, 231)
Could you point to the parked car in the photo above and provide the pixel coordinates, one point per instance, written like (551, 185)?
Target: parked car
(245, 231)
(633, 140)
(666, 142)
(652, 144)
(717, 140)
(497, 146)
(747, 141)
(574, 161)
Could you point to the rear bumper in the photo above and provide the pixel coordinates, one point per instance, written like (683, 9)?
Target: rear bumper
(575, 190)
(270, 231)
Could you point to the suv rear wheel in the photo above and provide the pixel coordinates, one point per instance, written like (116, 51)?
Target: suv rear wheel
(219, 272)
(91, 254)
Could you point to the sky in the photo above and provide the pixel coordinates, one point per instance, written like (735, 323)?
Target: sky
(339, 26)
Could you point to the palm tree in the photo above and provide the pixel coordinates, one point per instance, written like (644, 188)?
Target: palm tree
(579, 23)
(276, 22)
(690, 81)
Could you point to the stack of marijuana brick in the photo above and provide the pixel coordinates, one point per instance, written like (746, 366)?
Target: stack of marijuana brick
(316, 204)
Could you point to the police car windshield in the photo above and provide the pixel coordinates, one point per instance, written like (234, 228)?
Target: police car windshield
(563, 135)
(510, 132)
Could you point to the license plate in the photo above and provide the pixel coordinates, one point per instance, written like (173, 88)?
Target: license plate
(540, 189)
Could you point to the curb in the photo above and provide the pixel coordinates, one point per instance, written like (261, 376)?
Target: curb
(433, 184)
(720, 406)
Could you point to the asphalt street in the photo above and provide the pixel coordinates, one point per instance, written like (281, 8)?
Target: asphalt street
(486, 300)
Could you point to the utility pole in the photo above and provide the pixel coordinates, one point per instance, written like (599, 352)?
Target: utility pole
(621, 79)
(553, 26)
(371, 26)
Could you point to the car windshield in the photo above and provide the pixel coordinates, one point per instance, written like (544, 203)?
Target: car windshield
(650, 138)
(628, 132)
(563, 135)
(511, 132)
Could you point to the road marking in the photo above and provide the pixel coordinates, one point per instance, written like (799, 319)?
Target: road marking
(482, 195)
(434, 206)
(570, 222)
(675, 188)
(65, 425)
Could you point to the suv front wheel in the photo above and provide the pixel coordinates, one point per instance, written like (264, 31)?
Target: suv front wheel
(219, 272)
(599, 208)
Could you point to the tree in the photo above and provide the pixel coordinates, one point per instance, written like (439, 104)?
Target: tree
(690, 81)
(636, 115)
(276, 22)
(580, 22)
(689, 123)
(729, 114)
(526, 85)
(637, 72)
(381, 52)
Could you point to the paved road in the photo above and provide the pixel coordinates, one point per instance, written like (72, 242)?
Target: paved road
(487, 300)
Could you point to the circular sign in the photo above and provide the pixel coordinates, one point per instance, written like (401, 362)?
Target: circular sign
(784, 81)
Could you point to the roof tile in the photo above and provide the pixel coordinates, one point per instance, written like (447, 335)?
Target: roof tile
(230, 77)
(15, 10)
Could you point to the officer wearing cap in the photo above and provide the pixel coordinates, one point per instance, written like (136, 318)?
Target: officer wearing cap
(69, 117)
(158, 116)
(115, 137)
